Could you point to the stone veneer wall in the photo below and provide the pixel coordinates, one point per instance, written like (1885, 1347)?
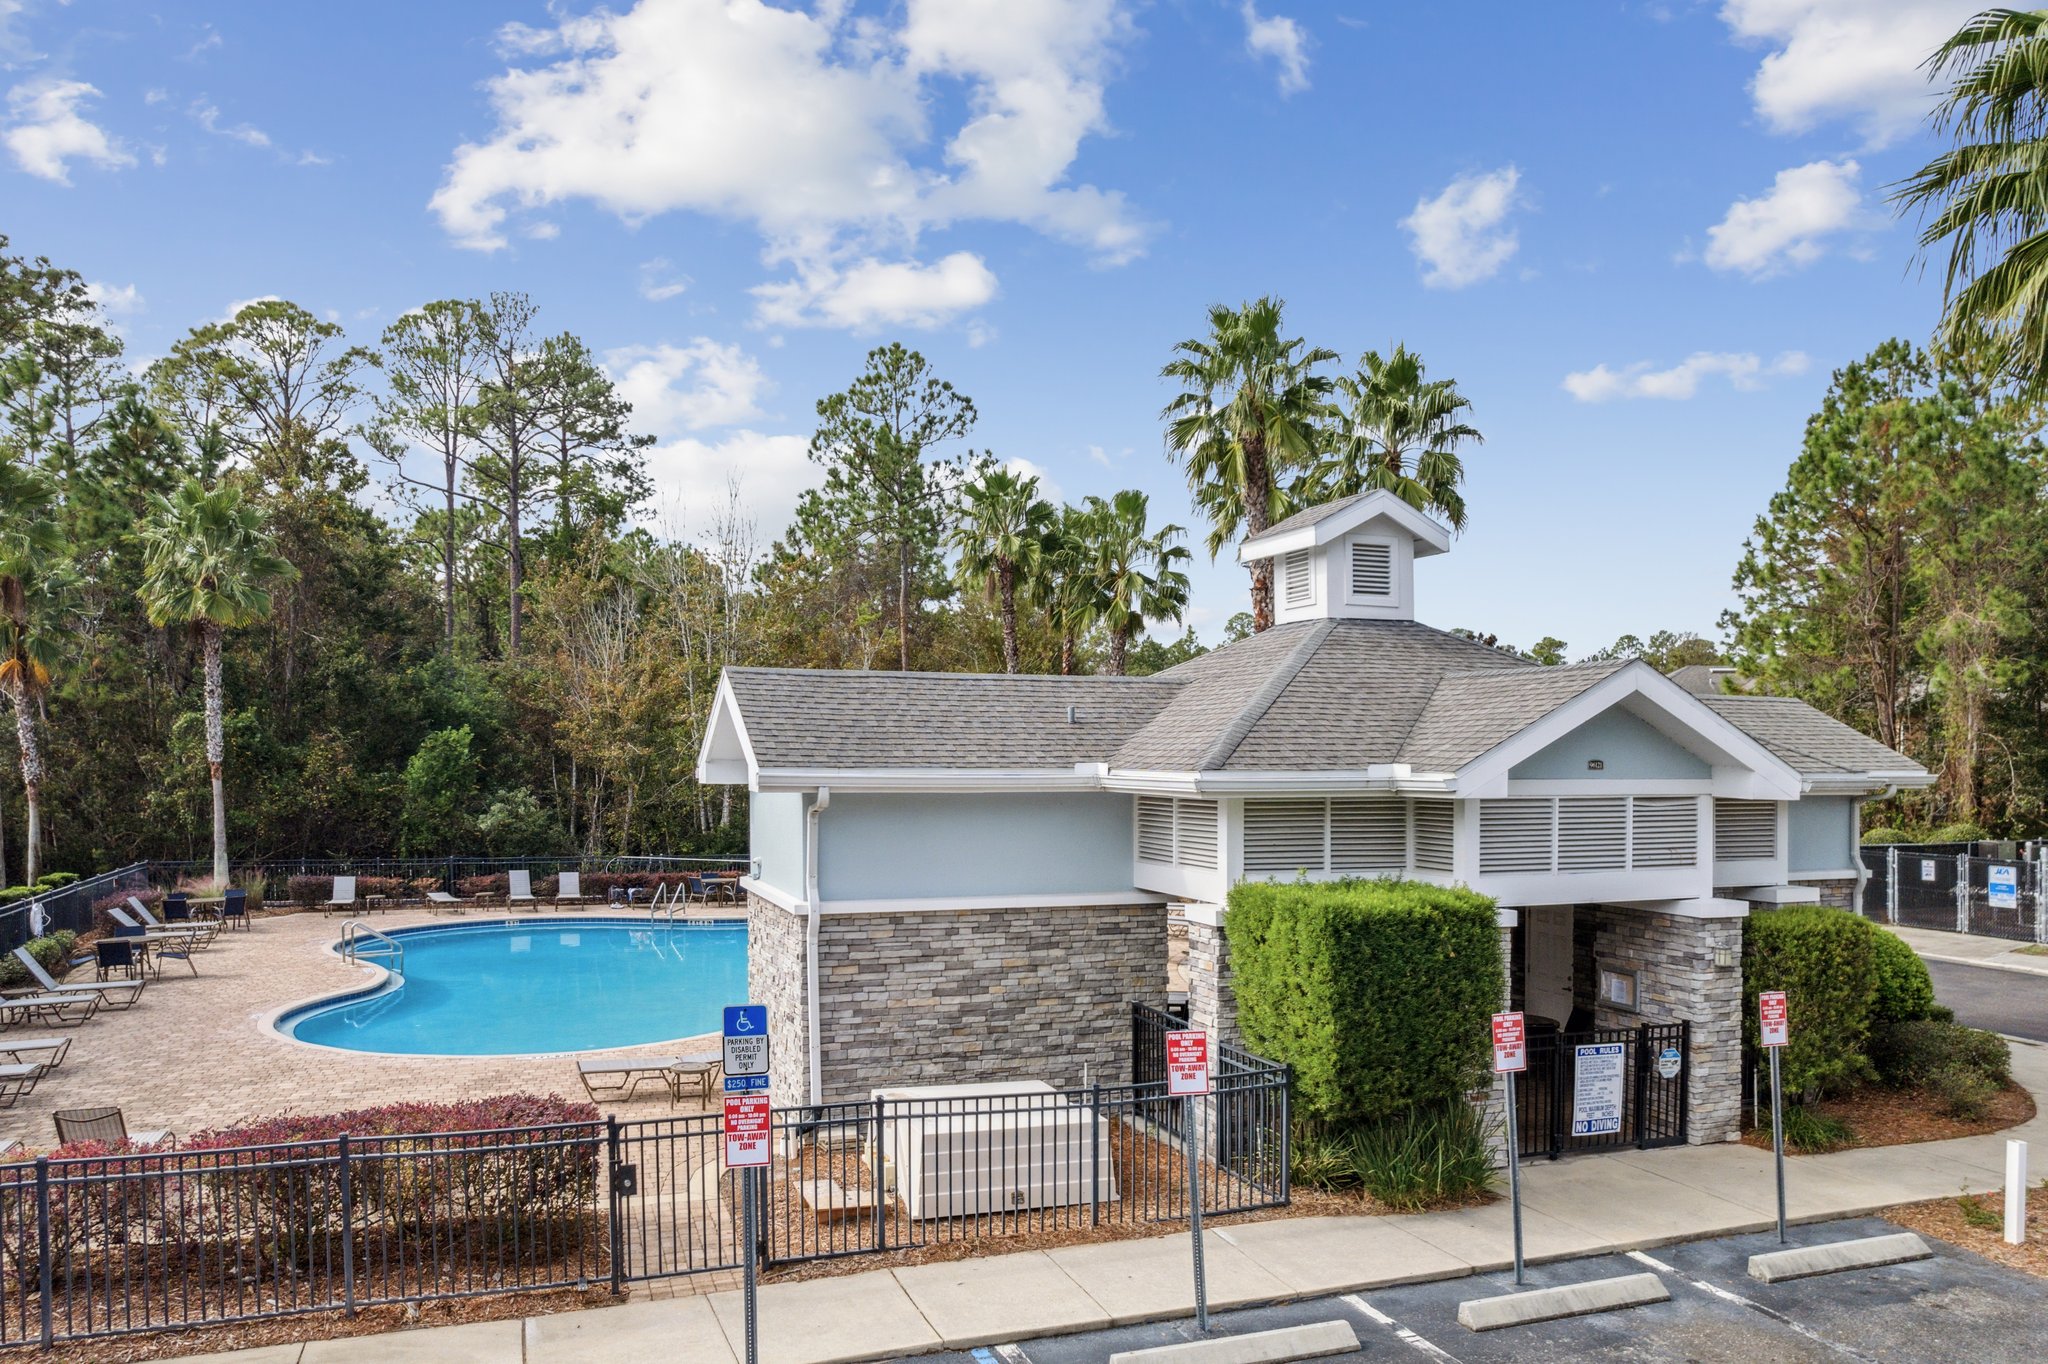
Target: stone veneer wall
(1677, 980)
(1212, 998)
(933, 997)
(1839, 893)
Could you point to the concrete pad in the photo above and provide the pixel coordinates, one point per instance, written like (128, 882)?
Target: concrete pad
(823, 1321)
(665, 1331)
(1566, 1300)
(1146, 1280)
(1484, 1239)
(478, 1342)
(1867, 1252)
(261, 1354)
(1319, 1255)
(1311, 1341)
(1001, 1298)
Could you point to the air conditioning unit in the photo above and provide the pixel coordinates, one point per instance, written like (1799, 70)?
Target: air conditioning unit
(976, 1150)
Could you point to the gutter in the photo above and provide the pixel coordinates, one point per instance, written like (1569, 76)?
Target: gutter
(811, 1009)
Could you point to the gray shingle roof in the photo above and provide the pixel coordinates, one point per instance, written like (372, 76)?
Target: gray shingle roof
(801, 718)
(1805, 739)
(1469, 713)
(1309, 517)
(1332, 695)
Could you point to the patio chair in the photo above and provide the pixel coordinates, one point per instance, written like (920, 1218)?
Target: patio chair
(49, 1052)
(569, 888)
(234, 910)
(113, 994)
(111, 957)
(180, 901)
(103, 1124)
(343, 895)
(692, 887)
(519, 888)
(159, 944)
(200, 933)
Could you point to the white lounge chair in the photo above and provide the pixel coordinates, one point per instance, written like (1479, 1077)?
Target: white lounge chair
(441, 897)
(113, 994)
(519, 888)
(49, 1052)
(569, 888)
(343, 895)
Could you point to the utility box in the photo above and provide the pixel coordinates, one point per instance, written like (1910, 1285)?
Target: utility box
(988, 1149)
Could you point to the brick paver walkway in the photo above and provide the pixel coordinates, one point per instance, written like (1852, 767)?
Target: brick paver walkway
(194, 1053)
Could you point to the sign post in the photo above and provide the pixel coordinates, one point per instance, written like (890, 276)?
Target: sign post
(1774, 1030)
(1187, 1077)
(1510, 1058)
(747, 1135)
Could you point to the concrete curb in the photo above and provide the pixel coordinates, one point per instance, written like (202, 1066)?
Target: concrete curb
(1566, 1300)
(1869, 1252)
(1261, 1347)
(2012, 966)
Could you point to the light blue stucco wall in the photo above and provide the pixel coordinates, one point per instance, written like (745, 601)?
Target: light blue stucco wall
(1820, 834)
(1629, 748)
(885, 847)
(775, 835)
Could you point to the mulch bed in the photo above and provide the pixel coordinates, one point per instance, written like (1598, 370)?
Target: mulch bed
(1898, 1117)
(1946, 1219)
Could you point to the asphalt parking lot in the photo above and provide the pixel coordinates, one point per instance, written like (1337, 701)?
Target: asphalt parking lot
(1954, 1307)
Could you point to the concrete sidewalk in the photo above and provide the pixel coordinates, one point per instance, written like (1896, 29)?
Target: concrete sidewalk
(1971, 949)
(1585, 1206)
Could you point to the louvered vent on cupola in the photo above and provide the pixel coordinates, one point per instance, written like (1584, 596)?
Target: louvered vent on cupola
(1372, 569)
(1299, 571)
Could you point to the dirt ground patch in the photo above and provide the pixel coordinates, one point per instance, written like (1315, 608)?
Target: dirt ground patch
(1901, 1117)
(1977, 1225)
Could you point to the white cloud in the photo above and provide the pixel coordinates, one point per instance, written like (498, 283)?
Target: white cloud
(208, 116)
(1854, 60)
(659, 280)
(1743, 370)
(46, 130)
(772, 472)
(687, 388)
(14, 45)
(1048, 486)
(872, 293)
(1460, 234)
(813, 128)
(115, 300)
(1786, 226)
(1281, 40)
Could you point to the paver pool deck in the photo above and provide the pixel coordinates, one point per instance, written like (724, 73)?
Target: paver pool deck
(196, 1051)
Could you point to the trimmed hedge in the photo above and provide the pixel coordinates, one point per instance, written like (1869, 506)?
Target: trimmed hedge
(1376, 992)
(1825, 960)
(55, 880)
(1905, 991)
(1879, 837)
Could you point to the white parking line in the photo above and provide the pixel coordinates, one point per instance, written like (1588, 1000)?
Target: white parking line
(1714, 1290)
(1407, 1337)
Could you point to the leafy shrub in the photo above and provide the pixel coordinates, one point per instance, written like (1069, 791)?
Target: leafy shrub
(56, 879)
(1376, 992)
(1959, 833)
(1425, 1157)
(494, 885)
(53, 950)
(1913, 1054)
(1813, 1133)
(12, 894)
(1322, 1158)
(103, 922)
(1904, 989)
(1962, 1091)
(318, 890)
(1825, 961)
(1878, 837)
(102, 1199)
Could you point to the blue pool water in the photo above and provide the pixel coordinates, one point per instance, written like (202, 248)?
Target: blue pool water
(507, 988)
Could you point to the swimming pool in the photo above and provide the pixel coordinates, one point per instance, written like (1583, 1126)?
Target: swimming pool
(517, 987)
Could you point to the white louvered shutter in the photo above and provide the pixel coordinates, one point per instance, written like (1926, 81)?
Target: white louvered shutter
(1517, 835)
(1368, 834)
(1300, 582)
(1284, 836)
(1372, 569)
(1155, 829)
(1745, 830)
(1666, 832)
(1592, 833)
(1194, 833)
(1433, 838)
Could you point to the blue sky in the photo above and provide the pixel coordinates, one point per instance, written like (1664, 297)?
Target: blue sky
(1638, 235)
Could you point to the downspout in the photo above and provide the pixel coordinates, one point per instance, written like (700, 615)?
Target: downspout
(1856, 833)
(811, 1009)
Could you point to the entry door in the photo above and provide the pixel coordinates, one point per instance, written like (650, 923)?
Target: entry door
(1547, 988)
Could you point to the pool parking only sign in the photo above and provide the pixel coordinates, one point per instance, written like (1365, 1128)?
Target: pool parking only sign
(746, 1048)
(1510, 1047)
(746, 1131)
(1187, 1063)
(1596, 1088)
(2003, 883)
(1773, 1020)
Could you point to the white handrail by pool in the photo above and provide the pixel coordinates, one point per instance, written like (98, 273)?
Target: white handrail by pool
(350, 928)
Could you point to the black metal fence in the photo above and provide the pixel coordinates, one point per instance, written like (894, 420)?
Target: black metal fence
(442, 872)
(1568, 1100)
(118, 1244)
(66, 909)
(1991, 888)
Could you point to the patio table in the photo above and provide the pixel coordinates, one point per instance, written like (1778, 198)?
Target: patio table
(696, 1069)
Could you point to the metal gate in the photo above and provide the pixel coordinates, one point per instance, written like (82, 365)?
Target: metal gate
(1993, 889)
(1653, 1106)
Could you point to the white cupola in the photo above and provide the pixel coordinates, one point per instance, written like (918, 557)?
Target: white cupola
(1352, 559)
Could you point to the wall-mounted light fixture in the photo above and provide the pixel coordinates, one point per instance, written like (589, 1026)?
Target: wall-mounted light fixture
(1724, 957)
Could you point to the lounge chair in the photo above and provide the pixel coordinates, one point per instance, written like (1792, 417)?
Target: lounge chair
(102, 1124)
(17, 1079)
(113, 994)
(49, 1052)
(200, 933)
(519, 888)
(159, 943)
(607, 1081)
(569, 887)
(343, 895)
(66, 1009)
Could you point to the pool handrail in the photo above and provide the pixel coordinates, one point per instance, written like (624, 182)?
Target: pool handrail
(395, 950)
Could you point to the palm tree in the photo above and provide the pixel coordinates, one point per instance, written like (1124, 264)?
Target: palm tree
(1247, 416)
(1000, 537)
(1135, 569)
(1063, 582)
(1400, 432)
(206, 561)
(1988, 197)
(31, 583)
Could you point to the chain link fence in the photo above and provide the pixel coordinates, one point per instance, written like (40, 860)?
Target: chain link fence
(1992, 888)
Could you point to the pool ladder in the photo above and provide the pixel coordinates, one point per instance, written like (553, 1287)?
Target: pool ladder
(393, 953)
(657, 910)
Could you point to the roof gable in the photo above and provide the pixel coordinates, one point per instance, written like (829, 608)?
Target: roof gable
(1330, 521)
